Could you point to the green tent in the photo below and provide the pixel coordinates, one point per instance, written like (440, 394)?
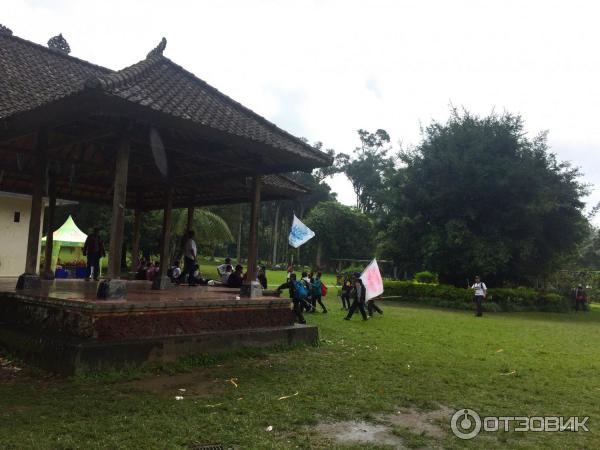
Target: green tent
(68, 237)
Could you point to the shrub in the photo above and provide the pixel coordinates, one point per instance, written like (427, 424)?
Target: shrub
(426, 277)
(499, 299)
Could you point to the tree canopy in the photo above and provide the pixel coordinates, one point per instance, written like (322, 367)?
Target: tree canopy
(479, 196)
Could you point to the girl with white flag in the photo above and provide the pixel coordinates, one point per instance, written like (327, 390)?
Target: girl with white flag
(373, 282)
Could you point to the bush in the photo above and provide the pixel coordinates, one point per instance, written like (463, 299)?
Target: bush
(500, 299)
(426, 277)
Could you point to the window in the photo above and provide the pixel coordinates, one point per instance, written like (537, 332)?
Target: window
(17, 218)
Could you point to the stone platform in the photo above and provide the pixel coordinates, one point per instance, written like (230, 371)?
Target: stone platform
(63, 327)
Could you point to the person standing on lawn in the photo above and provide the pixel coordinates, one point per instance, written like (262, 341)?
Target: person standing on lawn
(359, 294)
(295, 287)
(317, 294)
(480, 291)
(580, 298)
(190, 252)
(94, 250)
(346, 290)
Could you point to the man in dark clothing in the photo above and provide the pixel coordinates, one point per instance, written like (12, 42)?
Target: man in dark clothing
(580, 298)
(359, 294)
(346, 290)
(372, 307)
(480, 291)
(94, 250)
(236, 278)
(297, 302)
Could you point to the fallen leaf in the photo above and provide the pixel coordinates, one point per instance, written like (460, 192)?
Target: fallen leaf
(181, 390)
(512, 372)
(287, 396)
(178, 397)
(233, 381)
(269, 428)
(499, 350)
(213, 405)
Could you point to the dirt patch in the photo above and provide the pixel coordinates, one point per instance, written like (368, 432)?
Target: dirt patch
(412, 421)
(198, 383)
(8, 369)
(420, 422)
(353, 432)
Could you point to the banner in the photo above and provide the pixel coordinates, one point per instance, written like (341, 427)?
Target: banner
(371, 278)
(300, 233)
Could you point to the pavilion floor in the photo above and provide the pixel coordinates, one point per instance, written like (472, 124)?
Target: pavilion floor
(64, 327)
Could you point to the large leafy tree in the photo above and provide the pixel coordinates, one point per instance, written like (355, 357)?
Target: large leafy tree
(341, 232)
(367, 168)
(479, 196)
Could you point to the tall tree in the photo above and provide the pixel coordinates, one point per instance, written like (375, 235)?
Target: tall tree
(478, 196)
(367, 168)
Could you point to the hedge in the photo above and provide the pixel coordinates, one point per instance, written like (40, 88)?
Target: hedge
(498, 299)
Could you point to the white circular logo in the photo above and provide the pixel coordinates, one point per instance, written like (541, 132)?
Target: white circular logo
(466, 424)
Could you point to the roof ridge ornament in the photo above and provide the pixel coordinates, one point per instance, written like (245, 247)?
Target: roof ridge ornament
(5, 30)
(60, 44)
(159, 49)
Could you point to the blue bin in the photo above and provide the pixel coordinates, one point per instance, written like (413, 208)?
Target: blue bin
(61, 273)
(81, 272)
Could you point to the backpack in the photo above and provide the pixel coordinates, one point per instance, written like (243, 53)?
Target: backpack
(301, 291)
(317, 287)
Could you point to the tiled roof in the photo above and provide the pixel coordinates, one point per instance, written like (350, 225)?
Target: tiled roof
(32, 75)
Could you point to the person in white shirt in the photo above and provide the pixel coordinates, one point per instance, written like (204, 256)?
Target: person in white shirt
(480, 291)
(189, 256)
(222, 268)
(225, 274)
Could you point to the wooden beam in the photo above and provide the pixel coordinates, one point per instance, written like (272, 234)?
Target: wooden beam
(137, 224)
(162, 281)
(48, 273)
(38, 178)
(118, 209)
(253, 238)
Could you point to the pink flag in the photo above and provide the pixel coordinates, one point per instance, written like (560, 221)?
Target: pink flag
(371, 278)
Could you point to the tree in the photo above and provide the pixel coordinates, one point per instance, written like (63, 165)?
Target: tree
(341, 232)
(367, 168)
(478, 196)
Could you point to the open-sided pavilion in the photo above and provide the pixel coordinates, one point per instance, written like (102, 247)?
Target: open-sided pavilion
(150, 136)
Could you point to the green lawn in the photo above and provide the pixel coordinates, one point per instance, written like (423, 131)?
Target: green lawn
(501, 364)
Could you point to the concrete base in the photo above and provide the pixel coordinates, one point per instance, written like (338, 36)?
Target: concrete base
(112, 290)
(252, 290)
(47, 276)
(29, 281)
(161, 283)
(70, 356)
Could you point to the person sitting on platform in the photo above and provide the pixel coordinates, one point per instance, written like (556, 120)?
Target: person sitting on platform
(140, 270)
(221, 270)
(225, 275)
(175, 272)
(236, 278)
(152, 271)
(262, 276)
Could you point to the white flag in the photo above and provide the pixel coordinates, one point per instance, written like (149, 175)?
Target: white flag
(300, 233)
(371, 278)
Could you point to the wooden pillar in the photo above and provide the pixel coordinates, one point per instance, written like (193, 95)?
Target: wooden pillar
(30, 279)
(275, 233)
(48, 273)
(238, 254)
(162, 281)
(190, 218)
(253, 237)
(137, 225)
(118, 210)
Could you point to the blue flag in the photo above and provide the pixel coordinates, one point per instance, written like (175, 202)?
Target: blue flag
(300, 233)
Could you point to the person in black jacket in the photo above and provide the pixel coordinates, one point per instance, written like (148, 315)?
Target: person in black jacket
(359, 294)
(296, 301)
(236, 278)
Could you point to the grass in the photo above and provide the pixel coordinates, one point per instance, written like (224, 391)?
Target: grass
(501, 364)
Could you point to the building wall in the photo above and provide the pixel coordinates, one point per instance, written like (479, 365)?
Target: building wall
(13, 235)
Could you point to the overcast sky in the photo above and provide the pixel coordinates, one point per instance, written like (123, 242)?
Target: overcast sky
(323, 69)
